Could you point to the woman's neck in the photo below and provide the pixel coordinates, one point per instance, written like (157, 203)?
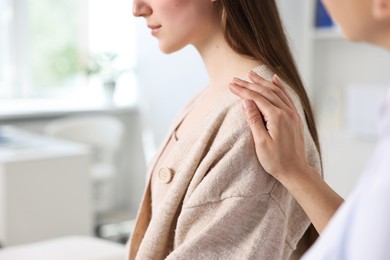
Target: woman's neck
(222, 63)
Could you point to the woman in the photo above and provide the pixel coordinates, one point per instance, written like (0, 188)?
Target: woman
(361, 228)
(206, 186)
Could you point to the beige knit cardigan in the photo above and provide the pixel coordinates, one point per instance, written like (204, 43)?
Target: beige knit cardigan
(221, 204)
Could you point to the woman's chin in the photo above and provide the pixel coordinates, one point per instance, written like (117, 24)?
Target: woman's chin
(168, 49)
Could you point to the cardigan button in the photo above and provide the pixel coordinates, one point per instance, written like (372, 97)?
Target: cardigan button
(165, 174)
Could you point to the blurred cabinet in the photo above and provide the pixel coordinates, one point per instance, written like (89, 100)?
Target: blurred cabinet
(334, 63)
(326, 60)
(44, 188)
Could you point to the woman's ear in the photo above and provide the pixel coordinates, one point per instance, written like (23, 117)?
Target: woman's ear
(381, 9)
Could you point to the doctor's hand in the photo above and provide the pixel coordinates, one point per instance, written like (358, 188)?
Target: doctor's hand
(278, 134)
(276, 126)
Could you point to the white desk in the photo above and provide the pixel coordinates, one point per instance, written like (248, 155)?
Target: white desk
(44, 188)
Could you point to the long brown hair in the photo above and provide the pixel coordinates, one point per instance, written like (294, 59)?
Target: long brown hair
(253, 28)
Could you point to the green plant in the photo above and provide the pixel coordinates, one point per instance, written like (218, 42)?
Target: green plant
(103, 66)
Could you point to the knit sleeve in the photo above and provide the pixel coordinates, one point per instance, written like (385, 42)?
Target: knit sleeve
(234, 209)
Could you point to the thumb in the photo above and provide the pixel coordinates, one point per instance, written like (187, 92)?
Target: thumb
(255, 120)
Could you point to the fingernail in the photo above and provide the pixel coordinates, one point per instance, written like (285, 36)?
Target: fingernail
(236, 80)
(247, 105)
(233, 86)
(276, 77)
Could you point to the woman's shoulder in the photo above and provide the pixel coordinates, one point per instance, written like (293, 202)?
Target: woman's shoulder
(311, 149)
(231, 105)
(267, 73)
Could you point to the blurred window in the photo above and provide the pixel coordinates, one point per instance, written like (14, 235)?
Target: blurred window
(51, 49)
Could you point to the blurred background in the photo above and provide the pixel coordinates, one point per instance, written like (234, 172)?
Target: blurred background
(86, 97)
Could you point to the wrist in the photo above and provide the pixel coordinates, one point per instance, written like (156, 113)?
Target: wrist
(297, 177)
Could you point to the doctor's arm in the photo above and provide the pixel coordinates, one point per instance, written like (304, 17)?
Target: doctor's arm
(278, 134)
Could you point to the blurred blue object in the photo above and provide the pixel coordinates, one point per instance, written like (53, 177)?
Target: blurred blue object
(322, 17)
(3, 137)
